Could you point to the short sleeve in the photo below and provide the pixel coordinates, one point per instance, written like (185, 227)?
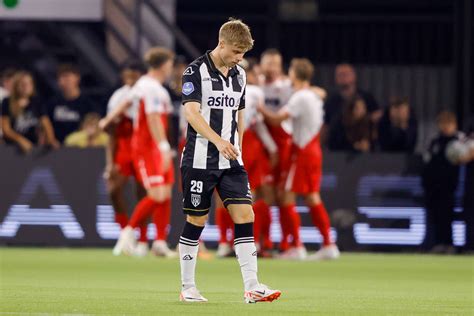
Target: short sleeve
(242, 100)
(154, 102)
(191, 89)
(293, 107)
(5, 108)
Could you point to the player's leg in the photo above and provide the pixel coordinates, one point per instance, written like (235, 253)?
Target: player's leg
(297, 251)
(161, 219)
(268, 199)
(234, 189)
(198, 186)
(224, 224)
(115, 185)
(320, 219)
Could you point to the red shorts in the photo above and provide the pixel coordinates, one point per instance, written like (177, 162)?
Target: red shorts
(305, 172)
(256, 161)
(123, 158)
(149, 169)
(283, 142)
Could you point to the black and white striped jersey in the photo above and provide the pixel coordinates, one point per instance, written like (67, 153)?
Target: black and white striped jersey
(220, 98)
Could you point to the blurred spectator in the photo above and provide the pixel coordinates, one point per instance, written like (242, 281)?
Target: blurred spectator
(6, 83)
(23, 116)
(347, 90)
(352, 129)
(90, 135)
(440, 178)
(397, 131)
(68, 109)
(5, 88)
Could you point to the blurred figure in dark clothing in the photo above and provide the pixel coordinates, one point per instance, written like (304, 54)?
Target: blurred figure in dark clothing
(352, 129)
(440, 178)
(68, 109)
(345, 78)
(398, 128)
(468, 201)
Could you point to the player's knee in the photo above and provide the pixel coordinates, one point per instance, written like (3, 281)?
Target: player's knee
(197, 220)
(246, 215)
(313, 199)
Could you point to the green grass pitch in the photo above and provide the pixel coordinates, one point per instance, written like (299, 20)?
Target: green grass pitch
(92, 281)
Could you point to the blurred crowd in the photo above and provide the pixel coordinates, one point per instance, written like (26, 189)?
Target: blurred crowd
(354, 120)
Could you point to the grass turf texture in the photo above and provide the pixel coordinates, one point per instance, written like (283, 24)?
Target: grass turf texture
(92, 281)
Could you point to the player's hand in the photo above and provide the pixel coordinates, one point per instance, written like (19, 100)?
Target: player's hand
(104, 123)
(166, 154)
(227, 150)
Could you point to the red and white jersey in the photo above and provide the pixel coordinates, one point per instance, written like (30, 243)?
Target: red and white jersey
(253, 97)
(277, 94)
(124, 128)
(148, 96)
(306, 110)
(118, 97)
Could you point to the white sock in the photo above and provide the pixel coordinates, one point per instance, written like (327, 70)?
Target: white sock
(247, 256)
(188, 252)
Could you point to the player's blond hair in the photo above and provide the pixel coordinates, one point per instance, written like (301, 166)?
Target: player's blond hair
(157, 56)
(236, 32)
(303, 68)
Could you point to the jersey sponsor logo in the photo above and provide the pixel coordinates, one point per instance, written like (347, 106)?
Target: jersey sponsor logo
(188, 72)
(223, 100)
(195, 199)
(188, 88)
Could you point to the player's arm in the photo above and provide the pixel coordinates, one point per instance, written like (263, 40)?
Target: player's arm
(320, 92)
(274, 118)
(49, 131)
(110, 148)
(114, 114)
(10, 133)
(264, 135)
(154, 108)
(240, 126)
(195, 119)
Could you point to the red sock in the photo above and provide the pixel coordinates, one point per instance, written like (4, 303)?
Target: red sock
(143, 233)
(295, 223)
(142, 211)
(258, 209)
(267, 222)
(285, 223)
(121, 219)
(320, 218)
(161, 218)
(221, 222)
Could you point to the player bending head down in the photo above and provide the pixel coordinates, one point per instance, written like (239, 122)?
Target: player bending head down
(213, 95)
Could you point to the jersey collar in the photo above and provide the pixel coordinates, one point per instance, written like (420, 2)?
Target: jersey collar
(232, 71)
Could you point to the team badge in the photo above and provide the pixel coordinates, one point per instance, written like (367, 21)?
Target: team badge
(195, 199)
(188, 72)
(188, 88)
(240, 79)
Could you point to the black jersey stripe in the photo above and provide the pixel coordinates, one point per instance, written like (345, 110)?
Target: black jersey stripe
(216, 124)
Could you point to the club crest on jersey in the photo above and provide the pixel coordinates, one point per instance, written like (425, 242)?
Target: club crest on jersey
(240, 80)
(188, 72)
(195, 199)
(188, 88)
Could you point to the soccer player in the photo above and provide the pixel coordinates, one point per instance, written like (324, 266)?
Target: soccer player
(277, 90)
(305, 110)
(259, 154)
(119, 160)
(151, 149)
(214, 100)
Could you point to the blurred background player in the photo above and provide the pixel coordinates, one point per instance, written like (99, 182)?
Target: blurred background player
(260, 155)
(305, 110)
(119, 160)
(440, 179)
(277, 91)
(151, 149)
